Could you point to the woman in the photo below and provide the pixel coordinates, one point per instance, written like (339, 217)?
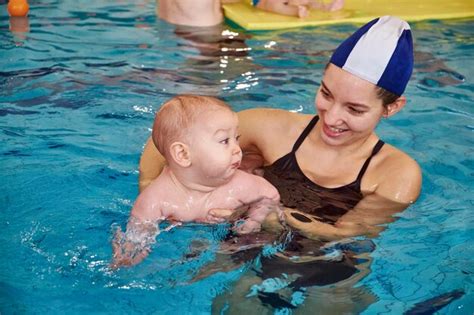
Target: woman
(336, 178)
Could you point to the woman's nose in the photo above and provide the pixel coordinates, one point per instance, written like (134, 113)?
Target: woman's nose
(334, 115)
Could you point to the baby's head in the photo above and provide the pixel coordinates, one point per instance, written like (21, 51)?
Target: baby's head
(178, 115)
(198, 136)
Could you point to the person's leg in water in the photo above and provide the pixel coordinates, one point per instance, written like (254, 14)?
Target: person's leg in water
(283, 282)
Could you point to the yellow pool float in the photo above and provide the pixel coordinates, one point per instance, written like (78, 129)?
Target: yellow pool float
(355, 11)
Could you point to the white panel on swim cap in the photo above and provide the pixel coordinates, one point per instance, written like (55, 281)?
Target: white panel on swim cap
(379, 43)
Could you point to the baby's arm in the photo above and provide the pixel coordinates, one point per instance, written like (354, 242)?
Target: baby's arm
(132, 246)
(262, 198)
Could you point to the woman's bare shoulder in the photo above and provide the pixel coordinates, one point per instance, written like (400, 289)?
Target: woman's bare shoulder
(399, 175)
(270, 132)
(270, 114)
(270, 121)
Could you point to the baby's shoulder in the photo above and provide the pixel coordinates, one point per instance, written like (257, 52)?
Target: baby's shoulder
(251, 186)
(152, 200)
(241, 177)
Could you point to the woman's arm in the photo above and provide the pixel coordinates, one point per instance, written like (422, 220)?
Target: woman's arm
(397, 184)
(364, 219)
(151, 164)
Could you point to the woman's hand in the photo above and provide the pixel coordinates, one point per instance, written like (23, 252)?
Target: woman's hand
(218, 215)
(351, 224)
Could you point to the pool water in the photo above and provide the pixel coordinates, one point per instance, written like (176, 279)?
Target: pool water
(78, 95)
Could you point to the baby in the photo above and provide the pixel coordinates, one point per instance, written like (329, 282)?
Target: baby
(299, 8)
(198, 136)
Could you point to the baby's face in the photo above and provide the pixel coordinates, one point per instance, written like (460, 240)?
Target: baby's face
(214, 145)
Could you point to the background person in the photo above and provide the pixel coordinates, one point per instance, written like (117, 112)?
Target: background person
(192, 12)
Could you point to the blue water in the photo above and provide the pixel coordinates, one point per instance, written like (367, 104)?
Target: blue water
(78, 94)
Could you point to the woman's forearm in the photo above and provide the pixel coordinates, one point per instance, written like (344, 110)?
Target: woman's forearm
(151, 164)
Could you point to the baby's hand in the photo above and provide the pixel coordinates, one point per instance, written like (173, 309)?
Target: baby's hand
(218, 215)
(247, 226)
(126, 253)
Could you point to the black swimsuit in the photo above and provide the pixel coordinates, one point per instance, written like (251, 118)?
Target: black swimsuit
(323, 204)
(326, 205)
(298, 191)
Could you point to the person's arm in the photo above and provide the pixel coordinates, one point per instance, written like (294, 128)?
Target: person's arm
(398, 188)
(151, 165)
(132, 246)
(262, 199)
(265, 135)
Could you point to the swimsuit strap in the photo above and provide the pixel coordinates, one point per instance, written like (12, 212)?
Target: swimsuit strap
(376, 149)
(305, 133)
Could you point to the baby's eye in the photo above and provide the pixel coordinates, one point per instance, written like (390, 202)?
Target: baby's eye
(237, 138)
(225, 141)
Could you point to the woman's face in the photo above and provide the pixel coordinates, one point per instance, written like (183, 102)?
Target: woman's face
(348, 107)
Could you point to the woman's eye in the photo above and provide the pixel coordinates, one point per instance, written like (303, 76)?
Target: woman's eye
(325, 93)
(356, 111)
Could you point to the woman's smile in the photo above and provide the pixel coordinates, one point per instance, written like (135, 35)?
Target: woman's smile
(333, 132)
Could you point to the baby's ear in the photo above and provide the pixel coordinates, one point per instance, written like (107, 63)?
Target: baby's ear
(179, 152)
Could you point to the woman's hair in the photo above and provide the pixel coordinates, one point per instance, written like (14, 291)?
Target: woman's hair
(177, 115)
(387, 97)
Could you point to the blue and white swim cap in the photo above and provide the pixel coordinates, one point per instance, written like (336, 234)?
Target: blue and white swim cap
(380, 52)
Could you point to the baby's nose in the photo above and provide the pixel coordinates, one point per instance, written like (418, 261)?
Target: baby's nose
(237, 149)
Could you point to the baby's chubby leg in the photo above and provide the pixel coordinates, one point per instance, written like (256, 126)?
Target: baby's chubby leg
(320, 5)
(285, 7)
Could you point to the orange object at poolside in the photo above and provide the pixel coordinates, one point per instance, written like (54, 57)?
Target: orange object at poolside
(18, 7)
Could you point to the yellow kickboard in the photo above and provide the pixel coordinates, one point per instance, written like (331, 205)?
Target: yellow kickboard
(354, 11)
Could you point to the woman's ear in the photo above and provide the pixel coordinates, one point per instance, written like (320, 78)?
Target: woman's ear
(393, 108)
(180, 154)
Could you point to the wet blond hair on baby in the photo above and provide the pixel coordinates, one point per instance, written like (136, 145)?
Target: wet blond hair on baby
(177, 115)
